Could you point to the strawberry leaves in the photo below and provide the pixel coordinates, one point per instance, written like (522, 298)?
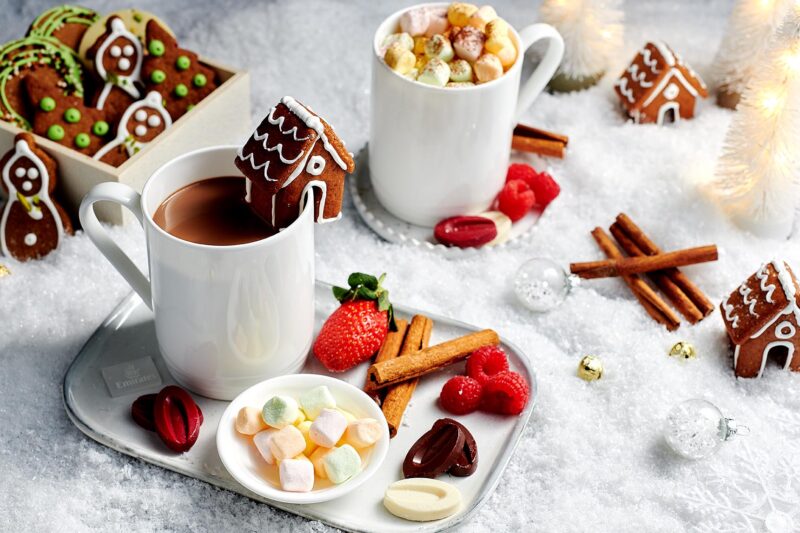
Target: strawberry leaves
(367, 287)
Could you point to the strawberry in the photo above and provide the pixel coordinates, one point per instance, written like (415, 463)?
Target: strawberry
(357, 329)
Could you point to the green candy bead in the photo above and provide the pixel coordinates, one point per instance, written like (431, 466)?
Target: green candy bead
(100, 128)
(47, 104)
(189, 107)
(181, 90)
(55, 132)
(199, 80)
(82, 140)
(72, 115)
(158, 76)
(156, 48)
(183, 63)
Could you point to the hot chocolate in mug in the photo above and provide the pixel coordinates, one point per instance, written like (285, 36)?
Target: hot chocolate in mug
(226, 317)
(440, 152)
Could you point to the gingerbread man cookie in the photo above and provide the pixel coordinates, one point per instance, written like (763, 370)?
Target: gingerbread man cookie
(142, 122)
(175, 72)
(66, 23)
(32, 224)
(117, 57)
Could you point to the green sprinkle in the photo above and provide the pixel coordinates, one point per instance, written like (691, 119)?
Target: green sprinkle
(158, 76)
(181, 90)
(82, 140)
(47, 104)
(55, 132)
(189, 107)
(156, 48)
(72, 115)
(199, 80)
(183, 63)
(100, 128)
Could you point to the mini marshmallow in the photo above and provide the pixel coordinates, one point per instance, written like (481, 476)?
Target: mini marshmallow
(363, 433)
(468, 44)
(399, 59)
(437, 21)
(459, 13)
(342, 463)
(487, 68)
(280, 411)
(304, 428)
(249, 421)
(328, 428)
(347, 414)
(261, 440)
(507, 55)
(460, 70)
(439, 46)
(301, 417)
(419, 45)
(415, 21)
(318, 460)
(437, 73)
(404, 39)
(495, 44)
(457, 84)
(497, 28)
(482, 17)
(287, 443)
(297, 475)
(317, 399)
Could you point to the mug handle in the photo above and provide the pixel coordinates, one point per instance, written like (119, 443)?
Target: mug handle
(130, 199)
(547, 67)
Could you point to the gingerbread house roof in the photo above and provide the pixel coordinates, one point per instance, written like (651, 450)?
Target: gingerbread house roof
(649, 73)
(759, 301)
(279, 148)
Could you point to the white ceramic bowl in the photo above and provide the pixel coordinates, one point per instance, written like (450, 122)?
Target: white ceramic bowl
(245, 464)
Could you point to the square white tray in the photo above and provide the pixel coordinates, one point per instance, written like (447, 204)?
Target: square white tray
(128, 335)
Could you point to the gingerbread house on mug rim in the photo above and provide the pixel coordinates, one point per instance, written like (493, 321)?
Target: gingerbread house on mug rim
(659, 87)
(762, 317)
(293, 152)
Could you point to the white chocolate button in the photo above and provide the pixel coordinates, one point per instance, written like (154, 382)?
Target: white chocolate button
(127, 51)
(33, 173)
(27, 185)
(19, 172)
(502, 223)
(422, 499)
(115, 51)
(30, 239)
(140, 115)
(140, 130)
(153, 121)
(124, 63)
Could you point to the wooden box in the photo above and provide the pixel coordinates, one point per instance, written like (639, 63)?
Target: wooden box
(223, 117)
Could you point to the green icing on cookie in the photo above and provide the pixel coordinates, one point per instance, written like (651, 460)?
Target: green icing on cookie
(158, 76)
(156, 48)
(199, 80)
(55, 132)
(181, 90)
(72, 115)
(47, 104)
(46, 24)
(82, 140)
(100, 128)
(183, 63)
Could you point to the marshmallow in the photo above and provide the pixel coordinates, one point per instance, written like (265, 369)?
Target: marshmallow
(261, 440)
(415, 21)
(328, 428)
(287, 443)
(419, 45)
(482, 17)
(457, 84)
(342, 463)
(468, 44)
(459, 13)
(439, 46)
(437, 21)
(347, 414)
(404, 39)
(363, 433)
(460, 70)
(301, 417)
(507, 55)
(317, 399)
(304, 427)
(249, 421)
(297, 475)
(318, 460)
(437, 73)
(487, 68)
(399, 59)
(497, 28)
(280, 411)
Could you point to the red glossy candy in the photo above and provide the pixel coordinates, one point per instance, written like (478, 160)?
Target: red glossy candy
(465, 231)
(177, 418)
(142, 411)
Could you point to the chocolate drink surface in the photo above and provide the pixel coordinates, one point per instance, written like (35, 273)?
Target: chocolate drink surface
(211, 211)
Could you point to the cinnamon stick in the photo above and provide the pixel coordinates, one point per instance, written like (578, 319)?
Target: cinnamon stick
(679, 278)
(679, 300)
(652, 302)
(647, 263)
(398, 396)
(429, 360)
(389, 350)
(538, 146)
(523, 130)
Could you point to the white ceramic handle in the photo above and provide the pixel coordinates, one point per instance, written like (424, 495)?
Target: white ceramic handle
(127, 197)
(547, 67)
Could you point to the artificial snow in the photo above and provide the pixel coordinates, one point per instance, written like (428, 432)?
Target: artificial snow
(593, 458)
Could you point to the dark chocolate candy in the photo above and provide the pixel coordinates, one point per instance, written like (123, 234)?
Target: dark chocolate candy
(467, 461)
(435, 452)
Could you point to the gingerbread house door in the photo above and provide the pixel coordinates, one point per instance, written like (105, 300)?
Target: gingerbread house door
(669, 112)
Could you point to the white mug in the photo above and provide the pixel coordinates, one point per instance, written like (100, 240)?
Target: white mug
(226, 317)
(440, 152)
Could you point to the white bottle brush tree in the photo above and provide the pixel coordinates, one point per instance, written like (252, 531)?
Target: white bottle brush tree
(757, 177)
(751, 27)
(592, 32)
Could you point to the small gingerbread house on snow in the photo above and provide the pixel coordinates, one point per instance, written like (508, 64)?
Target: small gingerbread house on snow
(658, 87)
(294, 153)
(763, 320)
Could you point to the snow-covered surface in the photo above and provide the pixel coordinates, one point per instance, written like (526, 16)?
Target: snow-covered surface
(593, 457)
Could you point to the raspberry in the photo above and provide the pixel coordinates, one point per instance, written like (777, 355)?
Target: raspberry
(460, 395)
(506, 393)
(516, 199)
(545, 189)
(521, 171)
(486, 362)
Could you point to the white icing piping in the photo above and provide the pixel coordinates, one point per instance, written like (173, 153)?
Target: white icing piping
(763, 276)
(639, 76)
(278, 147)
(626, 91)
(789, 289)
(665, 52)
(663, 82)
(649, 61)
(118, 29)
(153, 101)
(279, 122)
(308, 191)
(745, 291)
(729, 316)
(313, 122)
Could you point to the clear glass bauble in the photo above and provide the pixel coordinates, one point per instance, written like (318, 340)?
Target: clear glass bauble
(697, 428)
(542, 285)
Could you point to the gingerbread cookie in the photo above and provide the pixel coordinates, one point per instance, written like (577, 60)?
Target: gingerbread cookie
(32, 224)
(175, 72)
(65, 23)
(142, 122)
(23, 56)
(135, 20)
(294, 153)
(63, 118)
(117, 57)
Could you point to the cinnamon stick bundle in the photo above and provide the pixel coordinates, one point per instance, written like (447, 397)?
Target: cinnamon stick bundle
(542, 142)
(645, 263)
(389, 350)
